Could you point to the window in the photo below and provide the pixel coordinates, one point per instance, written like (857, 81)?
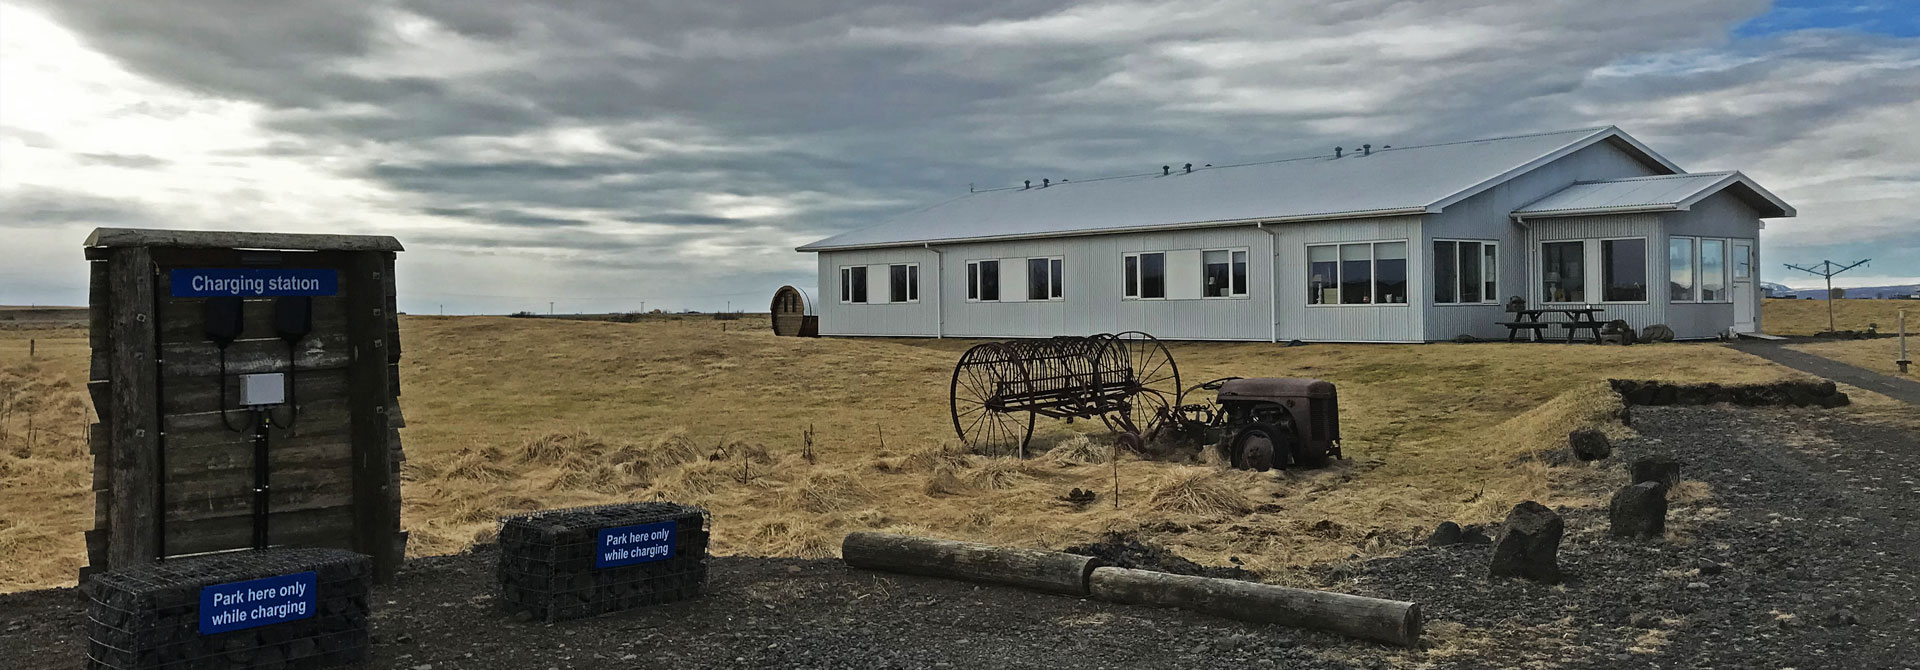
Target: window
(1563, 271)
(1055, 270)
(1043, 278)
(983, 281)
(853, 284)
(1623, 270)
(1680, 269)
(1742, 261)
(1713, 270)
(1146, 275)
(1363, 273)
(1224, 273)
(903, 282)
(1465, 272)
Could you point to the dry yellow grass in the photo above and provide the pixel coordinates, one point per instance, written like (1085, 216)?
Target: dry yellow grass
(1877, 355)
(508, 415)
(1806, 317)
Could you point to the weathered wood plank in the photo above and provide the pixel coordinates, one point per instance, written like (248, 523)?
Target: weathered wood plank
(100, 393)
(291, 491)
(192, 395)
(183, 320)
(1389, 621)
(1039, 570)
(201, 359)
(326, 416)
(324, 527)
(99, 302)
(303, 451)
(207, 239)
(369, 398)
(135, 422)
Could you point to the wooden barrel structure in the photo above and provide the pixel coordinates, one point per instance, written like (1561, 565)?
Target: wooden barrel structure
(1128, 380)
(793, 313)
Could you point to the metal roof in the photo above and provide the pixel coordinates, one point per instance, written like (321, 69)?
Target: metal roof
(1666, 193)
(1400, 180)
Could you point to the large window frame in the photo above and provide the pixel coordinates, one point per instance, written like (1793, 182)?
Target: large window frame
(1488, 281)
(1546, 296)
(1234, 271)
(853, 285)
(1697, 270)
(1134, 276)
(903, 283)
(1316, 295)
(978, 282)
(1050, 278)
(1646, 271)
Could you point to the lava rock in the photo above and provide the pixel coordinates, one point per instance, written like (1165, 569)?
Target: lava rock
(1638, 511)
(1531, 546)
(1588, 444)
(1475, 534)
(1659, 468)
(1447, 534)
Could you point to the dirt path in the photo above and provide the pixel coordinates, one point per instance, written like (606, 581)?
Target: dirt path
(1893, 387)
(1802, 556)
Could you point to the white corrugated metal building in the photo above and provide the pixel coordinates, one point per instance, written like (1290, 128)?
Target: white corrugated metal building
(1397, 244)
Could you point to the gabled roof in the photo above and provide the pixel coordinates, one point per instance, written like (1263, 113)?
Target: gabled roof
(1668, 193)
(1396, 181)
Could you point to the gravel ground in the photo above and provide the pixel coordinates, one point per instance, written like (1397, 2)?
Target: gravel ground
(1802, 557)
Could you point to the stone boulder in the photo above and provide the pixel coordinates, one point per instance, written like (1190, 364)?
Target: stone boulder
(1639, 511)
(1447, 534)
(1588, 444)
(1658, 468)
(1530, 547)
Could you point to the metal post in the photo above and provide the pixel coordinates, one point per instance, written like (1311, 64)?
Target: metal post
(1903, 362)
(1830, 298)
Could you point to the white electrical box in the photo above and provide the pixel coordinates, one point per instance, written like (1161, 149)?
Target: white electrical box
(263, 389)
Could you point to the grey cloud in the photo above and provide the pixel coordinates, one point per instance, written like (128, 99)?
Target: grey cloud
(122, 160)
(36, 207)
(506, 217)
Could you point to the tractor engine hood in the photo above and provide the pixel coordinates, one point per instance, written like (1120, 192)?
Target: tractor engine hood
(1262, 388)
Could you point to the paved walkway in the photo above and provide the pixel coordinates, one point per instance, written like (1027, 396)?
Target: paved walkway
(1887, 385)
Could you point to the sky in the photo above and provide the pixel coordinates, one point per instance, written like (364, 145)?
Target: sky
(605, 156)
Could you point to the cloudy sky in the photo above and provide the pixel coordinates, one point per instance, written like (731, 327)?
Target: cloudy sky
(598, 154)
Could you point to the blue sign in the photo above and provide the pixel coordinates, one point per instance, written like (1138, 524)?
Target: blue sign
(628, 545)
(253, 282)
(257, 602)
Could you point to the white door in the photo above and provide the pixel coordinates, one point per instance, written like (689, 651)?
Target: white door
(1746, 300)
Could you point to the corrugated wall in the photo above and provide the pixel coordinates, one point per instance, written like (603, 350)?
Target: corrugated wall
(902, 319)
(1345, 323)
(1487, 216)
(1721, 215)
(1592, 229)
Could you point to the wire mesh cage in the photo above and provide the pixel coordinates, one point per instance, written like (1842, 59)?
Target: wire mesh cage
(584, 561)
(275, 608)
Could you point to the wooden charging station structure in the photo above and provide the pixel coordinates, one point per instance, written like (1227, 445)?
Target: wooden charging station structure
(171, 477)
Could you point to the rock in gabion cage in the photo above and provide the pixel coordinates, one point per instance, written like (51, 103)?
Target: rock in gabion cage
(277, 608)
(584, 561)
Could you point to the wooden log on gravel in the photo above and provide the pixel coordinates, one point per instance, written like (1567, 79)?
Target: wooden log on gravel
(1035, 569)
(1390, 621)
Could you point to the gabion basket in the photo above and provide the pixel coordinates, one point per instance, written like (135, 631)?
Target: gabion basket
(585, 561)
(151, 616)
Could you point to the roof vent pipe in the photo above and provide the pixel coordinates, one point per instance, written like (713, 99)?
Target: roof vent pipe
(1029, 184)
(1045, 182)
(1166, 170)
(1366, 150)
(1189, 168)
(1337, 151)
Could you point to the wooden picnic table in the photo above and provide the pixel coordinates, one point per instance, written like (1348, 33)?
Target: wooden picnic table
(1578, 319)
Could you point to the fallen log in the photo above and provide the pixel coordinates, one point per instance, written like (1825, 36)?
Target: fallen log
(1035, 569)
(1390, 621)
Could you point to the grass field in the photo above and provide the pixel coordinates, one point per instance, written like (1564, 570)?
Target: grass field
(1806, 317)
(509, 415)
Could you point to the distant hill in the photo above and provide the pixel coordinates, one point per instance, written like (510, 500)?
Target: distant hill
(1865, 292)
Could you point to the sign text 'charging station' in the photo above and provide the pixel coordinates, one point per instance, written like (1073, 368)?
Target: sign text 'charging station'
(253, 282)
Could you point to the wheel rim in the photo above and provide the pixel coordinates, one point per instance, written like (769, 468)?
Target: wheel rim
(982, 382)
(1246, 454)
(1152, 378)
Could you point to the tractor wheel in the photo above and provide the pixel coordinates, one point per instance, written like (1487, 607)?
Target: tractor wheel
(1259, 447)
(1307, 457)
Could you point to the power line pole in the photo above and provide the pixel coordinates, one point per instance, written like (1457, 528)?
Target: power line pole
(1827, 271)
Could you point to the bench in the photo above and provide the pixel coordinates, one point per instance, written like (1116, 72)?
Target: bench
(1574, 327)
(1533, 329)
